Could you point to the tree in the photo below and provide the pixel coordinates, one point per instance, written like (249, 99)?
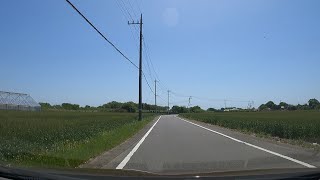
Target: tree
(130, 107)
(196, 109)
(45, 105)
(68, 106)
(284, 105)
(57, 106)
(292, 108)
(146, 106)
(262, 107)
(313, 103)
(179, 109)
(212, 109)
(114, 105)
(271, 105)
(175, 109)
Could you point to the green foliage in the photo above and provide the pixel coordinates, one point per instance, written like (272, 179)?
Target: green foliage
(301, 125)
(313, 103)
(196, 109)
(263, 107)
(113, 105)
(303, 107)
(62, 138)
(212, 110)
(69, 106)
(283, 104)
(130, 107)
(179, 109)
(45, 105)
(271, 105)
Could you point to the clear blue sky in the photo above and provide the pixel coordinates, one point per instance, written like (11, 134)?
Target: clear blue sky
(235, 50)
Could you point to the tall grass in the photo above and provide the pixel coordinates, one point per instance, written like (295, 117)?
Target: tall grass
(297, 125)
(64, 139)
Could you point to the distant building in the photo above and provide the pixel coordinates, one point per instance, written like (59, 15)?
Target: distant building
(227, 109)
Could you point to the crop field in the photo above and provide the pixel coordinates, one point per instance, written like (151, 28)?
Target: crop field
(296, 125)
(62, 139)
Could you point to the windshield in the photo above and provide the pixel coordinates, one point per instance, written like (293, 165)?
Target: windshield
(167, 87)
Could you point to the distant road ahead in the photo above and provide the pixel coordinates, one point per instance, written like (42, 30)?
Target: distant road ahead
(176, 145)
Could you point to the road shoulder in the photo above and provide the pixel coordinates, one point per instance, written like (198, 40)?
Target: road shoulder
(111, 158)
(303, 154)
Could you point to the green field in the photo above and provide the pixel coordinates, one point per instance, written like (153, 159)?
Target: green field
(296, 125)
(62, 139)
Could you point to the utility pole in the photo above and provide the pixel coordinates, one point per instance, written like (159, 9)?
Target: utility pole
(155, 95)
(189, 103)
(168, 101)
(140, 67)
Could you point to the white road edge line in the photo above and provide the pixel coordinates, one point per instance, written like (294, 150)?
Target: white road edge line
(128, 157)
(254, 146)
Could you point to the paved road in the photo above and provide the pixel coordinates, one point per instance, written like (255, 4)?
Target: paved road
(175, 145)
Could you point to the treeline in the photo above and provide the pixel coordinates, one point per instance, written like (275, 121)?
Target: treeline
(183, 109)
(197, 109)
(312, 104)
(113, 106)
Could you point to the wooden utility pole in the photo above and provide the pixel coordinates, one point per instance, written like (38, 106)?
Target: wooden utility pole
(168, 101)
(140, 67)
(155, 95)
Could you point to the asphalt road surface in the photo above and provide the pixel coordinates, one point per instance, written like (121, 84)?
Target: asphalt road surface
(173, 144)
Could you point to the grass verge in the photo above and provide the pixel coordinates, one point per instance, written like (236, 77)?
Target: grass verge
(294, 127)
(62, 139)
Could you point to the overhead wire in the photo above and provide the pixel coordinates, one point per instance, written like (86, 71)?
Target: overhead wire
(149, 63)
(138, 5)
(126, 13)
(112, 44)
(146, 49)
(134, 35)
(117, 49)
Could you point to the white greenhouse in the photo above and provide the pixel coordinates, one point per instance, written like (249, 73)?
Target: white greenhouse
(18, 101)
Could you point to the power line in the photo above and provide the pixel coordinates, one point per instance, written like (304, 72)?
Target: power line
(133, 9)
(101, 34)
(148, 65)
(178, 94)
(161, 98)
(146, 49)
(134, 35)
(138, 5)
(148, 57)
(147, 83)
(156, 76)
(128, 15)
(124, 11)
